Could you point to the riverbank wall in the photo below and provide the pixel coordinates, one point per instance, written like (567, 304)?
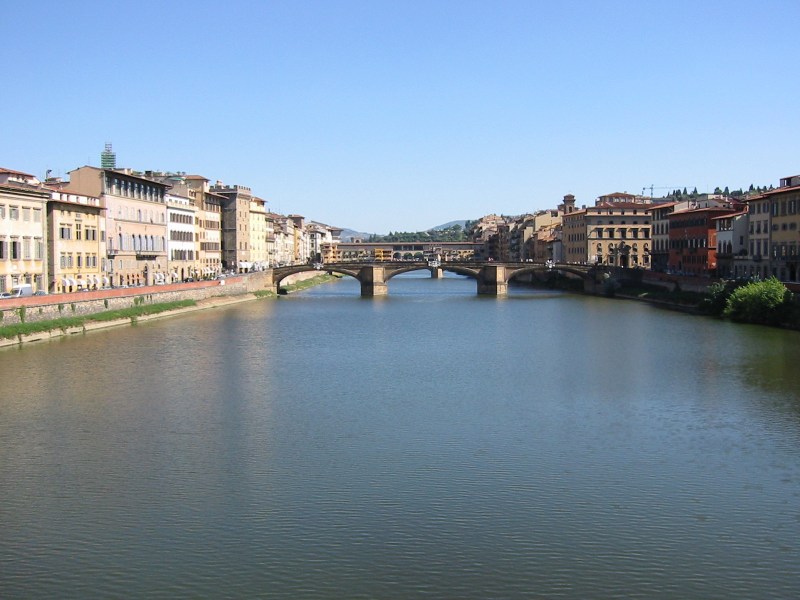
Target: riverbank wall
(55, 306)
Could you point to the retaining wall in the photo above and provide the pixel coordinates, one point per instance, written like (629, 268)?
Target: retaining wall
(54, 306)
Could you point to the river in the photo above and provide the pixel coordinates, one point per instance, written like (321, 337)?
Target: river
(429, 444)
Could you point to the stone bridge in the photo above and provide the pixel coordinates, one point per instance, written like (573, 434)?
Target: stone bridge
(492, 277)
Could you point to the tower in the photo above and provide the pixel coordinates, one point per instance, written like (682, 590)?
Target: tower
(108, 159)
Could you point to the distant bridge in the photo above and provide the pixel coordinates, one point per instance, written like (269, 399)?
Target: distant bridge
(492, 277)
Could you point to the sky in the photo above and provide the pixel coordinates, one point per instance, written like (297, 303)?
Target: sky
(402, 115)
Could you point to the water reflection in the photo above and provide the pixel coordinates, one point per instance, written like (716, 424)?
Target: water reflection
(431, 443)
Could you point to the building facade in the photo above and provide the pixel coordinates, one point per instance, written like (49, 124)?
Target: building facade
(235, 226)
(181, 235)
(136, 222)
(23, 235)
(76, 248)
(784, 255)
(693, 241)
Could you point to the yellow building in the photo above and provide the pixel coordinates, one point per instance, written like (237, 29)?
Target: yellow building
(784, 255)
(76, 242)
(616, 234)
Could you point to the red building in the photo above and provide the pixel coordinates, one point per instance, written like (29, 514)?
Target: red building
(693, 241)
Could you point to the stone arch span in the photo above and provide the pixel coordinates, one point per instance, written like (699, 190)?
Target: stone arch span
(473, 273)
(282, 273)
(581, 273)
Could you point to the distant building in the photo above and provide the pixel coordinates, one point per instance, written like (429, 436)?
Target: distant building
(611, 233)
(235, 225)
(693, 240)
(775, 231)
(108, 159)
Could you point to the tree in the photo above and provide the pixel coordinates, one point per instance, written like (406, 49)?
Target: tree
(766, 302)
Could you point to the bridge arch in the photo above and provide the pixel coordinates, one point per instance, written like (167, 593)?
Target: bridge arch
(281, 273)
(422, 267)
(580, 273)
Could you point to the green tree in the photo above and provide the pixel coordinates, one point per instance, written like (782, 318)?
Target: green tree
(718, 295)
(766, 302)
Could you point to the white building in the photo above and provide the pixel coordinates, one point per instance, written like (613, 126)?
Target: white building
(181, 235)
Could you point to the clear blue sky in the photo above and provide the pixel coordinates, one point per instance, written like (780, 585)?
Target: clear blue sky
(403, 115)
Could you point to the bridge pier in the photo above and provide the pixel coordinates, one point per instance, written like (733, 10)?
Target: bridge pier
(436, 272)
(373, 281)
(492, 281)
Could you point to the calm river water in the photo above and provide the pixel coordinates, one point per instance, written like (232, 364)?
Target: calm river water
(431, 444)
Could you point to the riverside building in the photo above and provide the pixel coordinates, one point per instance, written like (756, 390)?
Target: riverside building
(23, 204)
(136, 222)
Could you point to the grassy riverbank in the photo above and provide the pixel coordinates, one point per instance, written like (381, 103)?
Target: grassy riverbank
(64, 323)
(19, 331)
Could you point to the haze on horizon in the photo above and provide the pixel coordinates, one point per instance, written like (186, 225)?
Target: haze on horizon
(381, 116)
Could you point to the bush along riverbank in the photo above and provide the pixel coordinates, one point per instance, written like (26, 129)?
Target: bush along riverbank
(756, 301)
(760, 302)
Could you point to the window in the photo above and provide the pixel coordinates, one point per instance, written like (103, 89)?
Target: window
(65, 233)
(13, 213)
(26, 213)
(78, 231)
(37, 215)
(26, 248)
(2, 211)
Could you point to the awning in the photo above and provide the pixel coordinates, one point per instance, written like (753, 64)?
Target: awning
(105, 280)
(70, 281)
(80, 283)
(65, 282)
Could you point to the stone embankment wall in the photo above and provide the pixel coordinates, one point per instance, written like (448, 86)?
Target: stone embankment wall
(43, 308)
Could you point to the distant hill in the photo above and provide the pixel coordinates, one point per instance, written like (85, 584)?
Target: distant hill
(349, 234)
(448, 225)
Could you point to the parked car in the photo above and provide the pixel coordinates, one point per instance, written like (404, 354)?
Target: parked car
(5, 295)
(40, 293)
